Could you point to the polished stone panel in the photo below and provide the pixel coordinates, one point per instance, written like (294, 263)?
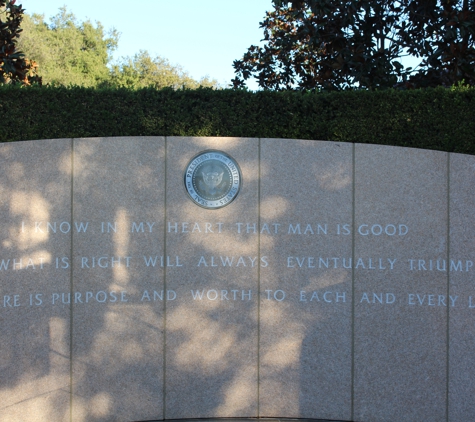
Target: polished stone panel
(400, 298)
(462, 313)
(118, 319)
(211, 325)
(305, 337)
(35, 208)
(337, 285)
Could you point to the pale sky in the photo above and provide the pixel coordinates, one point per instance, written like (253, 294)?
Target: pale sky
(203, 36)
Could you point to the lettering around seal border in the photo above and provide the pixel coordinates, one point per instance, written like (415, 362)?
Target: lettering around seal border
(212, 179)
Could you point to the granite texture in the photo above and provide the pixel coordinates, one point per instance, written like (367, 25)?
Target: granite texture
(118, 334)
(35, 190)
(338, 284)
(400, 344)
(305, 339)
(461, 315)
(211, 343)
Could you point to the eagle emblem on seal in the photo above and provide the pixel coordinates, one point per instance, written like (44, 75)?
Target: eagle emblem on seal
(212, 179)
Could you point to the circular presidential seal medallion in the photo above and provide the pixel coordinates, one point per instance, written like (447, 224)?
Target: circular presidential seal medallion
(212, 179)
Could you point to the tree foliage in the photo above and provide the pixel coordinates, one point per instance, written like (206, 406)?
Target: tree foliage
(73, 53)
(14, 67)
(69, 52)
(442, 34)
(143, 71)
(337, 44)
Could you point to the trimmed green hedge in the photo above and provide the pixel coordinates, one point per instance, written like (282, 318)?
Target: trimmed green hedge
(441, 119)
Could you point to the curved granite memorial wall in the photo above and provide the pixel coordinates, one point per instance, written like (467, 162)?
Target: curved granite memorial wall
(337, 284)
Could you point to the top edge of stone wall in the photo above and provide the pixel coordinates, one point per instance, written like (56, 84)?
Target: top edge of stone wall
(231, 137)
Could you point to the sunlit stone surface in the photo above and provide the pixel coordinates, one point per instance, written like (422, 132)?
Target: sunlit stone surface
(35, 245)
(305, 314)
(400, 344)
(338, 284)
(212, 325)
(118, 321)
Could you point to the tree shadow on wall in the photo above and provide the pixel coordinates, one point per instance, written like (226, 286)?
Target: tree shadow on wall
(34, 349)
(224, 355)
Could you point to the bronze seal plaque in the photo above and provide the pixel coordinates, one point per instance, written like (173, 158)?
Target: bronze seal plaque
(212, 179)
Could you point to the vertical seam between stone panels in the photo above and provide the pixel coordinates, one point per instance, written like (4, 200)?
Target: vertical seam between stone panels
(353, 218)
(164, 374)
(71, 287)
(259, 277)
(448, 292)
